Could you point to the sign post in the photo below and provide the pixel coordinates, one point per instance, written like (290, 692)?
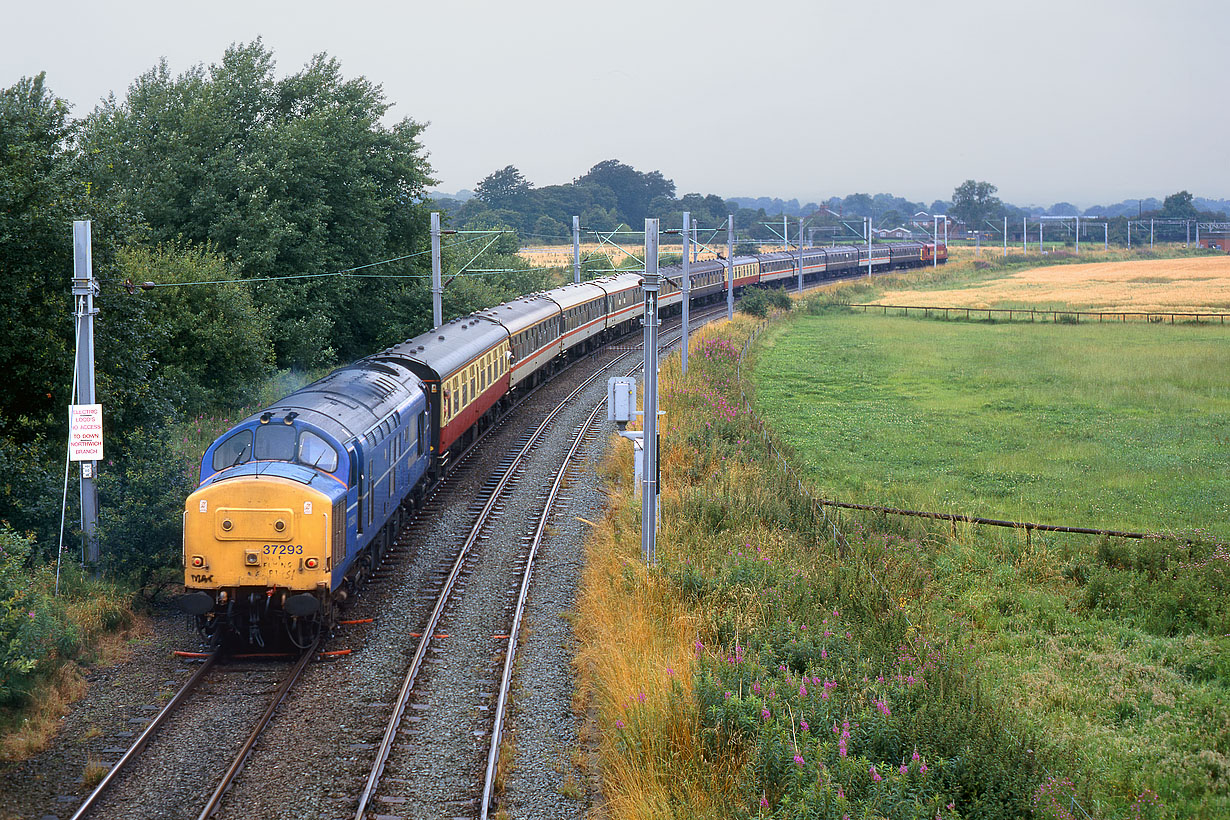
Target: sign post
(85, 288)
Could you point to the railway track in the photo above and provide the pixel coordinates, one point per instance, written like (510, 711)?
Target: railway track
(486, 507)
(103, 793)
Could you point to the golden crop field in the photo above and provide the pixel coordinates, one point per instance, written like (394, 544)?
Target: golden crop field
(1183, 285)
(553, 256)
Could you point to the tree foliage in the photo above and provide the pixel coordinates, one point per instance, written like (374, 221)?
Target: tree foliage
(973, 202)
(287, 177)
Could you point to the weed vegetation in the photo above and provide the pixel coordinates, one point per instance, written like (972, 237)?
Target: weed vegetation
(765, 669)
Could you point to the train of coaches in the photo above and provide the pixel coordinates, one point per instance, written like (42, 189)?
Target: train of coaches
(297, 503)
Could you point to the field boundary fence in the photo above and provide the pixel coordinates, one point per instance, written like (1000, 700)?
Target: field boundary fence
(1056, 316)
(821, 502)
(819, 511)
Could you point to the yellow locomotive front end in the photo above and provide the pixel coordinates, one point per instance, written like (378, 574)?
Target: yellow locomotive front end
(257, 551)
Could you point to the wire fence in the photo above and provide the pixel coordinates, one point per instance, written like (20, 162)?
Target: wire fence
(1055, 316)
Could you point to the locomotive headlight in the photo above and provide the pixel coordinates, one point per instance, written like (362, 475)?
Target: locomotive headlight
(198, 561)
(312, 563)
(251, 558)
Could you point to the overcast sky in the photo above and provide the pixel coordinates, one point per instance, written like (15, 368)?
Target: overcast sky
(1089, 101)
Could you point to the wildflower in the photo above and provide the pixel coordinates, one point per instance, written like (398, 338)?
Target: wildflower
(824, 653)
(923, 770)
(728, 694)
(756, 687)
(915, 756)
(764, 804)
(619, 724)
(764, 714)
(802, 690)
(798, 759)
(640, 697)
(904, 769)
(670, 671)
(875, 776)
(803, 725)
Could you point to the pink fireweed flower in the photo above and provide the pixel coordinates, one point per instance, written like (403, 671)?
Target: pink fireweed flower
(803, 725)
(756, 687)
(619, 724)
(765, 714)
(640, 697)
(764, 804)
(802, 690)
(875, 776)
(915, 756)
(798, 759)
(923, 770)
(903, 769)
(824, 653)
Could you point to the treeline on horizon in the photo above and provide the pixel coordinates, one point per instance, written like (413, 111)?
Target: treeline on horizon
(611, 194)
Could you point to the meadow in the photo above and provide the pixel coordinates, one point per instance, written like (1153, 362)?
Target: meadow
(1123, 427)
(778, 663)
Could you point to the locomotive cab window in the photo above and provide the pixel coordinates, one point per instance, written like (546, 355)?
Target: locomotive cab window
(275, 442)
(316, 452)
(235, 450)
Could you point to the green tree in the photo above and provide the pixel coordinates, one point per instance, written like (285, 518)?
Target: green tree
(972, 203)
(1179, 206)
(505, 188)
(210, 341)
(287, 177)
(633, 189)
(36, 211)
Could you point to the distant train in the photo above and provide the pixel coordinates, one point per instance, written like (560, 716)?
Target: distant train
(297, 503)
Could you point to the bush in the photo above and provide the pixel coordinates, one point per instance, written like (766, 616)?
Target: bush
(38, 628)
(141, 519)
(759, 301)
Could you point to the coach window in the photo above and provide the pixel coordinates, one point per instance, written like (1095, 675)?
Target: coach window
(235, 450)
(316, 452)
(275, 442)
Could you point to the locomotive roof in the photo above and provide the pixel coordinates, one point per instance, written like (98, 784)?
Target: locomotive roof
(349, 401)
(441, 352)
(521, 313)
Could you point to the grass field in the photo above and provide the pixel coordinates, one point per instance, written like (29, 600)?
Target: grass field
(1119, 651)
(1115, 427)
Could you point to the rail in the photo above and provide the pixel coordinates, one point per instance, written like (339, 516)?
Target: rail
(140, 742)
(1056, 315)
(211, 807)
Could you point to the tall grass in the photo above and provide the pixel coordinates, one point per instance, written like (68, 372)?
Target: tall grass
(762, 669)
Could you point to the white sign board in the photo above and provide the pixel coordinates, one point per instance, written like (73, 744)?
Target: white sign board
(85, 435)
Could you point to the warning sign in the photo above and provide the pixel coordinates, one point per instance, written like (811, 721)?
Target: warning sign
(85, 435)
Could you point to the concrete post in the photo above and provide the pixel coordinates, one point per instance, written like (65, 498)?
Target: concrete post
(730, 266)
(437, 290)
(576, 249)
(686, 287)
(649, 482)
(85, 288)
